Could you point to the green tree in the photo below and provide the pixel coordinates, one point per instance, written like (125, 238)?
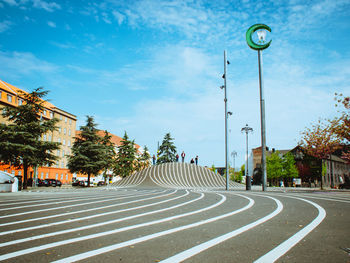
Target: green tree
(167, 150)
(143, 161)
(88, 152)
(109, 153)
(288, 165)
(274, 167)
(20, 141)
(125, 161)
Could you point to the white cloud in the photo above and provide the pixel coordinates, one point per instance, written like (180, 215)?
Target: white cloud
(23, 63)
(5, 25)
(120, 17)
(105, 18)
(48, 6)
(51, 24)
(10, 2)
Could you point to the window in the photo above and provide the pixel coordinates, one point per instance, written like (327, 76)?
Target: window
(1, 94)
(59, 129)
(58, 152)
(19, 172)
(69, 143)
(13, 172)
(64, 131)
(20, 102)
(70, 121)
(60, 117)
(61, 176)
(65, 119)
(42, 175)
(56, 176)
(47, 175)
(64, 142)
(62, 153)
(66, 177)
(9, 98)
(69, 132)
(59, 140)
(62, 164)
(44, 112)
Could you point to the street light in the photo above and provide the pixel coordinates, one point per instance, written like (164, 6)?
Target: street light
(233, 155)
(259, 47)
(248, 184)
(224, 87)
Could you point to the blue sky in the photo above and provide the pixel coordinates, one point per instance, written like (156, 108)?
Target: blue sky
(150, 67)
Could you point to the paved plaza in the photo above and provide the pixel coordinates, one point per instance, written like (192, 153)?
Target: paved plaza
(137, 221)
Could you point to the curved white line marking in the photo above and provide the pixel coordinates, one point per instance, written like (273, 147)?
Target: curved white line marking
(213, 242)
(284, 247)
(73, 240)
(84, 217)
(85, 210)
(95, 225)
(149, 237)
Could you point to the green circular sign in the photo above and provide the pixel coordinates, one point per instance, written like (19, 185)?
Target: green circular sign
(250, 33)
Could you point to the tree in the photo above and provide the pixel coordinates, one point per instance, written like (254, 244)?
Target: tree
(109, 153)
(125, 161)
(167, 151)
(327, 136)
(340, 126)
(20, 141)
(88, 152)
(320, 141)
(274, 167)
(143, 161)
(288, 165)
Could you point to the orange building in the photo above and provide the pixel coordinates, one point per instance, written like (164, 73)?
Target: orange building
(10, 96)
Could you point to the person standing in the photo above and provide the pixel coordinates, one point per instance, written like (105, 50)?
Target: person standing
(196, 159)
(154, 159)
(183, 156)
(177, 157)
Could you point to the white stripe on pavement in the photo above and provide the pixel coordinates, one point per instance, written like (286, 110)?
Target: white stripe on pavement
(215, 241)
(284, 247)
(148, 237)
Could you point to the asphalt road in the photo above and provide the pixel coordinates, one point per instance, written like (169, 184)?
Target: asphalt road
(173, 225)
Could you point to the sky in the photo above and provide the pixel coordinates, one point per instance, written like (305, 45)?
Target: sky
(150, 67)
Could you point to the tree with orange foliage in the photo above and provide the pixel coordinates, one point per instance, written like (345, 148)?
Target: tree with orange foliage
(323, 138)
(340, 126)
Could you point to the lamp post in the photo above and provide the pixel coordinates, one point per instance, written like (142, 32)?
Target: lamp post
(233, 155)
(226, 116)
(248, 184)
(259, 47)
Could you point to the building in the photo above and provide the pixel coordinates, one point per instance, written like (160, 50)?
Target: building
(336, 171)
(10, 96)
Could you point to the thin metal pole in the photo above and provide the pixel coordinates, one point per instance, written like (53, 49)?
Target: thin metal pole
(263, 125)
(226, 144)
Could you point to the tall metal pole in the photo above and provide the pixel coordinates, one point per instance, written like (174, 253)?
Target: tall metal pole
(226, 144)
(263, 125)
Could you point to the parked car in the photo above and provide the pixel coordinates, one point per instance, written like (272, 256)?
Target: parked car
(83, 183)
(51, 182)
(75, 183)
(42, 182)
(58, 183)
(101, 183)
